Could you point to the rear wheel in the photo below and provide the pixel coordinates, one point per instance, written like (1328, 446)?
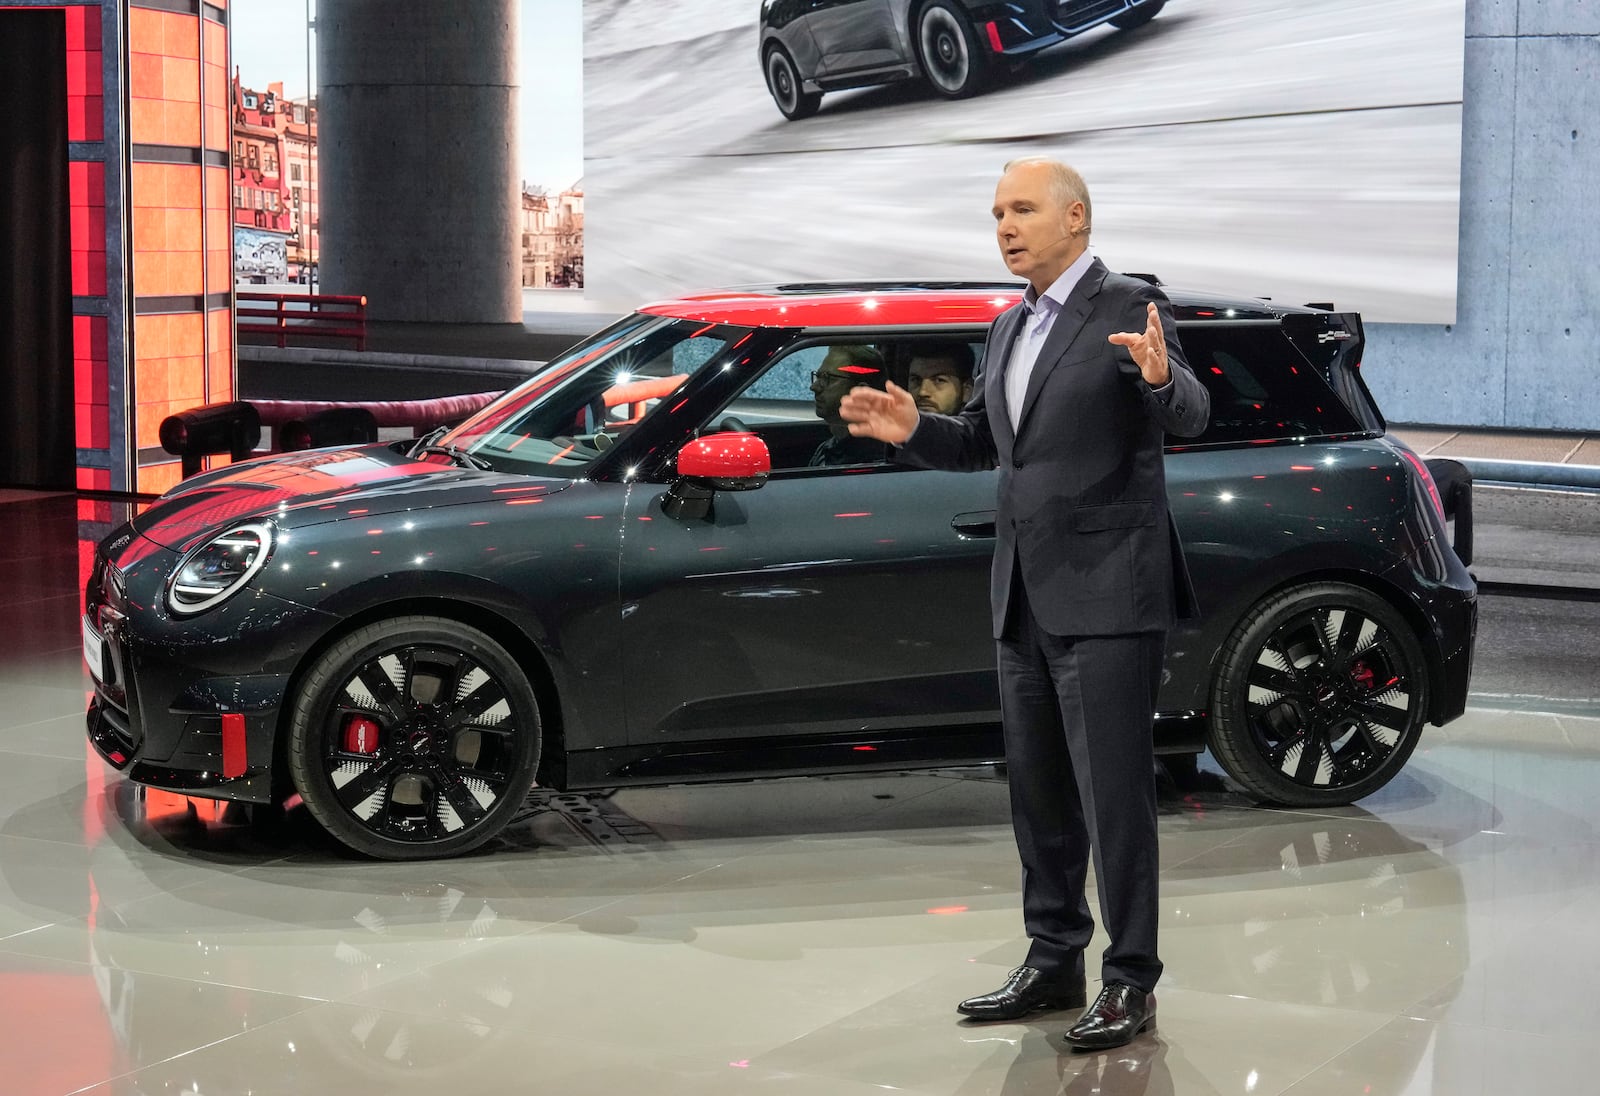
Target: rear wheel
(783, 81)
(1320, 696)
(1140, 15)
(414, 738)
(948, 50)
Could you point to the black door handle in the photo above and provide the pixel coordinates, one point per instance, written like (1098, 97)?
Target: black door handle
(975, 525)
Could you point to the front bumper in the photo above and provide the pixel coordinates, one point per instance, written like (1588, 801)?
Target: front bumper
(163, 685)
(1024, 28)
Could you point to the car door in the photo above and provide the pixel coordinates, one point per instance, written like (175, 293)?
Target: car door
(835, 599)
(853, 35)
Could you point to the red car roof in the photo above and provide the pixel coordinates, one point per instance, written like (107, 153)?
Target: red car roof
(918, 304)
(843, 307)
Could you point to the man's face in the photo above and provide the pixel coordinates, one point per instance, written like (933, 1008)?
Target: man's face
(937, 386)
(1038, 238)
(833, 380)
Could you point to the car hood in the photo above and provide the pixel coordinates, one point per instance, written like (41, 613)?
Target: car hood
(303, 489)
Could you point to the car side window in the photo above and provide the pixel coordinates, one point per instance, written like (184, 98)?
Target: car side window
(1261, 387)
(793, 405)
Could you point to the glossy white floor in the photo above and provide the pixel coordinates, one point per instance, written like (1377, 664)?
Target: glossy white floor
(792, 937)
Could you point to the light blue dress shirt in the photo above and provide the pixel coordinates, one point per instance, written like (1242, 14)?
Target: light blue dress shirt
(1041, 310)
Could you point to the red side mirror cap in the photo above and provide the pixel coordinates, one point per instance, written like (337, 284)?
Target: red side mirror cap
(731, 462)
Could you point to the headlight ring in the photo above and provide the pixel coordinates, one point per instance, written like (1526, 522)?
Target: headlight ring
(219, 568)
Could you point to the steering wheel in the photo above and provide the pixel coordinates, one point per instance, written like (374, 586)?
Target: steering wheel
(732, 424)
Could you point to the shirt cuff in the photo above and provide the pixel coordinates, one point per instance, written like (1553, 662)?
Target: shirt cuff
(1164, 393)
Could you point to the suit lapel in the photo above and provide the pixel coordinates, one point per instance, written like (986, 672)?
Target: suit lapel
(1063, 333)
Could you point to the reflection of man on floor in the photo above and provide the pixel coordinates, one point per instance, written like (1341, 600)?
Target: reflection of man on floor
(842, 369)
(941, 377)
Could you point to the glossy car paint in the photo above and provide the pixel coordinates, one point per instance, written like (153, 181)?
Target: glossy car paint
(819, 623)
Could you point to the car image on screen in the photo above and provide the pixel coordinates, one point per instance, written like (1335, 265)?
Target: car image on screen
(660, 560)
(809, 47)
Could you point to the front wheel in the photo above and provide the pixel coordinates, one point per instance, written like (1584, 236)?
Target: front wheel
(1320, 696)
(1139, 16)
(783, 81)
(413, 738)
(948, 50)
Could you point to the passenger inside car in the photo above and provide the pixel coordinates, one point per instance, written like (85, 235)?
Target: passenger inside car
(939, 376)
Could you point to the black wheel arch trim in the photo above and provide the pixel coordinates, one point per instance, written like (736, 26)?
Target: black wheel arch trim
(531, 656)
(1440, 708)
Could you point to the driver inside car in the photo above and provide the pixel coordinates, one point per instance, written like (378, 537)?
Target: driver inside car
(842, 368)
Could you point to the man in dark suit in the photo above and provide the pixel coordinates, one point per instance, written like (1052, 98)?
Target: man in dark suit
(1077, 387)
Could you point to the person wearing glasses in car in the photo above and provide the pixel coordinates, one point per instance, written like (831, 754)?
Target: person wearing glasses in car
(844, 367)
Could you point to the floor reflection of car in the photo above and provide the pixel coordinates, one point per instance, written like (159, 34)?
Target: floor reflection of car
(809, 47)
(635, 569)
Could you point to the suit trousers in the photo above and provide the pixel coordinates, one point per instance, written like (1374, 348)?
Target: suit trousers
(1080, 762)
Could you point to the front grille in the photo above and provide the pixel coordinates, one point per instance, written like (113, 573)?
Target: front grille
(1072, 14)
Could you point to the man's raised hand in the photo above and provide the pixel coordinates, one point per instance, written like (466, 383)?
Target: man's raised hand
(1149, 349)
(889, 415)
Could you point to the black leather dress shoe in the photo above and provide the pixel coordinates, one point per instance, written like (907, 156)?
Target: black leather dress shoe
(1117, 1015)
(1027, 990)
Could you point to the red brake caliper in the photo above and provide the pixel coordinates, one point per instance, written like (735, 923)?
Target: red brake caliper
(360, 735)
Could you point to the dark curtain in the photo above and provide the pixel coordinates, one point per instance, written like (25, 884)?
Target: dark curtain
(37, 446)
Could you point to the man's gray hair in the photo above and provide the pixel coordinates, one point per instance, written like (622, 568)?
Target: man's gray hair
(1066, 185)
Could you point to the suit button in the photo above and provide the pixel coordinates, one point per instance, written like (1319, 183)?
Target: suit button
(1016, 464)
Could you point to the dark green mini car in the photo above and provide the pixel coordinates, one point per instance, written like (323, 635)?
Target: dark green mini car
(654, 562)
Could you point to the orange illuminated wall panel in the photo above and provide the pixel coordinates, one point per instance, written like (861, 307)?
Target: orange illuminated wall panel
(179, 211)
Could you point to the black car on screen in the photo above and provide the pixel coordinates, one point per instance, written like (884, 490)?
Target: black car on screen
(654, 562)
(808, 47)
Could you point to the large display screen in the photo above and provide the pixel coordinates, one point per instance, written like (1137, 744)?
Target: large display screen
(1304, 150)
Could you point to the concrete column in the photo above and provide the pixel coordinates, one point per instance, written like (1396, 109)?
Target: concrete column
(418, 186)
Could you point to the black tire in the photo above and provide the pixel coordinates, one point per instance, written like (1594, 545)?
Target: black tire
(1320, 696)
(783, 81)
(1139, 16)
(954, 63)
(444, 738)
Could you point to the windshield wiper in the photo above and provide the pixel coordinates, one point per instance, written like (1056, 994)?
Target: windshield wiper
(459, 455)
(426, 440)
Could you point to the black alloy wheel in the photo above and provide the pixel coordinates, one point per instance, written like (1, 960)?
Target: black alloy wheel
(783, 81)
(1139, 16)
(949, 52)
(1320, 696)
(414, 738)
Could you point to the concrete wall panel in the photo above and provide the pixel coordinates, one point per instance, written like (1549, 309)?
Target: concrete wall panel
(1554, 349)
(1536, 17)
(1490, 18)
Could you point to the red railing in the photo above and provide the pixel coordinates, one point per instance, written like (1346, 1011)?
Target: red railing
(286, 316)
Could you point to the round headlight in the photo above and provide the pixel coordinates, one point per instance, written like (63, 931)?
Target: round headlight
(219, 568)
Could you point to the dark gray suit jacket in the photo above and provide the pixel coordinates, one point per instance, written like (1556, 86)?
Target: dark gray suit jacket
(1082, 507)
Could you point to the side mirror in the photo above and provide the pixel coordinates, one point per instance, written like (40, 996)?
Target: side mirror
(717, 462)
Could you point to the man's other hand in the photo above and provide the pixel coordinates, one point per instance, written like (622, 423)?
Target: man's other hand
(889, 415)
